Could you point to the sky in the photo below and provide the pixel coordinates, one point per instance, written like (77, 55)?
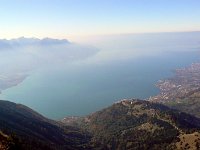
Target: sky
(73, 18)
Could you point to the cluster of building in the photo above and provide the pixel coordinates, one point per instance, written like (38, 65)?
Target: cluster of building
(185, 82)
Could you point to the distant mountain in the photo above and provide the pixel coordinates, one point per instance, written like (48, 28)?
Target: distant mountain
(32, 54)
(137, 124)
(27, 129)
(35, 45)
(4, 45)
(49, 41)
(22, 41)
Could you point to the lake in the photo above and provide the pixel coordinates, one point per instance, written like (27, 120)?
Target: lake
(82, 89)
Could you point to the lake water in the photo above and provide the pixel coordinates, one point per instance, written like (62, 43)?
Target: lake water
(126, 66)
(80, 89)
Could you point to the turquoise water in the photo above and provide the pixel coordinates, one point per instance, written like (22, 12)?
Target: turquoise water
(85, 88)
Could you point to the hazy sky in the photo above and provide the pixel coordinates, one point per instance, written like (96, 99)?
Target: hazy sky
(69, 18)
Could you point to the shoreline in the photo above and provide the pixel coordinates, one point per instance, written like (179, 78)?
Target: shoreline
(184, 82)
(9, 82)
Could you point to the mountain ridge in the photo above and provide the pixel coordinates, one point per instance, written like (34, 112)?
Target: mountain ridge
(129, 124)
(27, 127)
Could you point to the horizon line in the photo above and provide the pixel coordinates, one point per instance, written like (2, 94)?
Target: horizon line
(92, 35)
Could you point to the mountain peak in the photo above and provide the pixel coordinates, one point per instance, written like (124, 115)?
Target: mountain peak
(50, 41)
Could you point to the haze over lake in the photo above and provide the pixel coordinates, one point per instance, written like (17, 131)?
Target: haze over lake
(108, 69)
